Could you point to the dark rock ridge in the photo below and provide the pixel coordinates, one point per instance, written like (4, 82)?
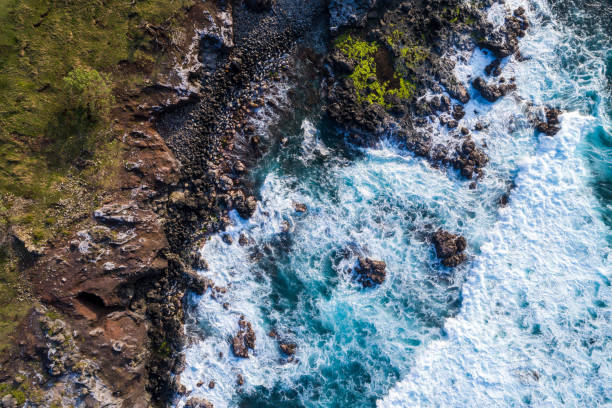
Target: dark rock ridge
(449, 248)
(492, 92)
(370, 272)
(412, 42)
(244, 339)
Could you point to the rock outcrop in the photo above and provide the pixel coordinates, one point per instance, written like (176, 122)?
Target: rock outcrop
(244, 339)
(450, 248)
(504, 40)
(288, 348)
(550, 125)
(492, 92)
(370, 272)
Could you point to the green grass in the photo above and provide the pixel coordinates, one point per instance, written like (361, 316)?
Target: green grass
(41, 44)
(13, 301)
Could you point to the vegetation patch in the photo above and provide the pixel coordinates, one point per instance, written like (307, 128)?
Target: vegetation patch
(14, 303)
(369, 85)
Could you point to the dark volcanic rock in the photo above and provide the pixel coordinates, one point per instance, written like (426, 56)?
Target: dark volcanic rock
(503, 41)
(198, 403)
(288, 348)
(300, 207)
(550, 126)
(244, 339)
(493, 68)
(470, 159)
(341, 63)
(259, 5)
(492, 92)
(370, 272)
(449, 248)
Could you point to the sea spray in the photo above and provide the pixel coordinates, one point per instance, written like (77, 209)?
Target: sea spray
(535, 323)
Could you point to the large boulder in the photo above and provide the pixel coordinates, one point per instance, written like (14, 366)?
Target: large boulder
(370, 272)
(492, 92)
(449, 248)
(550, 126)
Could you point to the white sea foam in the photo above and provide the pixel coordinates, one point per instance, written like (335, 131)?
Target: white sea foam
(375, 204)
(311, 144)
(530, 330)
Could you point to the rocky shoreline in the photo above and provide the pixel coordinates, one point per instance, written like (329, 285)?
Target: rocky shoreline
(120, 283)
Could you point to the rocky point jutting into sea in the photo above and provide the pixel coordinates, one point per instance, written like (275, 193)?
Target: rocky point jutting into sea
(341, 203)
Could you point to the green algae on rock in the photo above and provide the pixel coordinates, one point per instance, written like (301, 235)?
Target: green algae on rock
(365, 75)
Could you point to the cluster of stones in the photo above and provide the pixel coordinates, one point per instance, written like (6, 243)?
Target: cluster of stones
(244, 339)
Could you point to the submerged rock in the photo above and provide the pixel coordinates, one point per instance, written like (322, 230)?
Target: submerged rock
(550, 126)
(244, 339)
(288, 348)
(198, 403)
(449, 248)
(492, 92)
(300, 207)
(370, 272)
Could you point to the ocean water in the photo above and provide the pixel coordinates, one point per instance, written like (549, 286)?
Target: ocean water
(525, 322)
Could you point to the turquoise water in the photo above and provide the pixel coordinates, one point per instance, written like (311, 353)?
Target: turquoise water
(526, 322)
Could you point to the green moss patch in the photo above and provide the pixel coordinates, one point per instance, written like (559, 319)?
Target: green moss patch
(369, 85)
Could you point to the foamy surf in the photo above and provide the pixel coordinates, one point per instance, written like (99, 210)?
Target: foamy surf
(535, 326)
(533, 329)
